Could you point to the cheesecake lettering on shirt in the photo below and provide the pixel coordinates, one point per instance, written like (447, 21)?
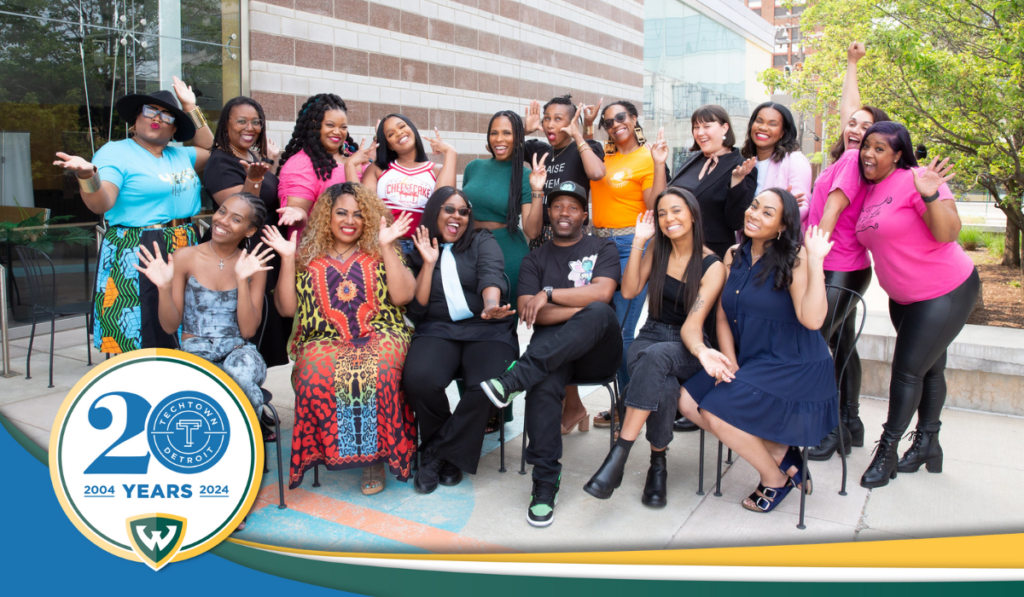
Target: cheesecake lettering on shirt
(406, 190)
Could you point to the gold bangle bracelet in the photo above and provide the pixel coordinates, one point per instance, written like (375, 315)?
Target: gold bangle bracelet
(197, 118)
(91, 184)
(583, 147)
(589, 130)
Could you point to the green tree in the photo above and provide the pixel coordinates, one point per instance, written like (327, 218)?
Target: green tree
(951, 70)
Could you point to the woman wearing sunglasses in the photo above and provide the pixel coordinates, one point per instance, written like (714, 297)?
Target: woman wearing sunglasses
(619, 199)
(463, 329)
(241, 161)
(148, 191)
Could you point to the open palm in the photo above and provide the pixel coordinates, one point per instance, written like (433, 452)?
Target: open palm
(159, 272)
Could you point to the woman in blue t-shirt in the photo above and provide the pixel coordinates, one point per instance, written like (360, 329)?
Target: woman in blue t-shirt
(148, 191)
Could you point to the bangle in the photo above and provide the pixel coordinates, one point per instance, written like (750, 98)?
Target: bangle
(537, 193)
(589, 130)
(583, 147)
(197, 118)
(930, 198)
(640, 248)
(91, 184)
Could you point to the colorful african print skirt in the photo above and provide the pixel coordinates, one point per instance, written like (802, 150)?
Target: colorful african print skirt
(125, 306)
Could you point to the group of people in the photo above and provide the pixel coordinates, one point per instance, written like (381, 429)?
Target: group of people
(390, 283)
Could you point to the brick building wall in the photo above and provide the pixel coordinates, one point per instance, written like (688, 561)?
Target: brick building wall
(445, 64)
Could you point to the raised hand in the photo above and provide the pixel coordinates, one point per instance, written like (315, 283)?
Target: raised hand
(273, 151)
(273, 238)
(801, 197)
(77, 164)
(495, 311)
(928, 180)
(644, 227)
(250, 263)
(427, 247)
(539, 173)
(389, 234)
(437, 146)
(573, 130)
(255, 171)
(159, 272)
(531, 123)
(659, 149)
(590, 113)
(290, 216)
(717, 365)
(362, 156)
(817, 243)
(856, 51)
(185, 94)
(741, 171)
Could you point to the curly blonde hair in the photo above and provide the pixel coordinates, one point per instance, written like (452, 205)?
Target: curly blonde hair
(318, 239)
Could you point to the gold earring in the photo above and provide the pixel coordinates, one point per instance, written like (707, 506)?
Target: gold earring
(131, 131)
(779, 237)
(609, 147)
(639, 132)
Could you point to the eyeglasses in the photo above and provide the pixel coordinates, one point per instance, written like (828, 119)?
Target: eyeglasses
(153, 114)
(450, 209)
(619, 118)
(255, 122)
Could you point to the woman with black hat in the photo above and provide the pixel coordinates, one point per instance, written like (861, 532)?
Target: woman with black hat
(148, 191)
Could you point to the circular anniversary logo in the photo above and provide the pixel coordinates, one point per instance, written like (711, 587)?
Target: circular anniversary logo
(154, 456)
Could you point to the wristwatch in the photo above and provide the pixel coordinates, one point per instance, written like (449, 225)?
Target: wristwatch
(547, 290)
(930, 198)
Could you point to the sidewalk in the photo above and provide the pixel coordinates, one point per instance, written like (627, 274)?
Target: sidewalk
(487, 512)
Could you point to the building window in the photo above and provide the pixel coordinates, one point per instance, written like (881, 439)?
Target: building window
(780, 60)
(753, 3)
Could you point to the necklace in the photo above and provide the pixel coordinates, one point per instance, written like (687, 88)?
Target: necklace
(342, 254)
(248, 157)
(754, 258)
(561, 151)
(221, 264)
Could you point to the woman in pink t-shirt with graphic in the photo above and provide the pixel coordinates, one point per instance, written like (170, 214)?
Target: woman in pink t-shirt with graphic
(910, 224)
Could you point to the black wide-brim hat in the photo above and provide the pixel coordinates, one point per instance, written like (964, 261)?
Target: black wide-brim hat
(570, 189)
(129, 106)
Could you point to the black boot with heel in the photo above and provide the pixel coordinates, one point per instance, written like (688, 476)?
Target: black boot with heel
(608, 478)
(853, 433)
(883, 464)
(655, 490)
(925, 450)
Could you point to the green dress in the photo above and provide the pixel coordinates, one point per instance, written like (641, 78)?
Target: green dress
(485, 183)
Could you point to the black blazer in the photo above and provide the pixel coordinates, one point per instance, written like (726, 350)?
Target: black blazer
(721, 206)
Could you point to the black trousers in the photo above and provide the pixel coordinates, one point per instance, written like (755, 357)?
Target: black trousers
(924, 330)
(840, 335)
(586, 348)
(153, 334)
(430, 367)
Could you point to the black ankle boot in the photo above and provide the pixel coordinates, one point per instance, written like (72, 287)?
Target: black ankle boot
(883, 465)
(830, 444)
(608, 478)
(655, 491)
(925, 450)
(856, 429)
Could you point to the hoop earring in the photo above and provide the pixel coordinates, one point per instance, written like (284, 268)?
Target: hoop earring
(779, 237)
(639, 132)
(131, 131)
(609, 147)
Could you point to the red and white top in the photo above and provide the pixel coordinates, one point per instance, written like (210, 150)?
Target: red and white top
(407, 190)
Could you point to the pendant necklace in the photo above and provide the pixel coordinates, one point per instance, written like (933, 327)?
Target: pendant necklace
(339, 256)
(222, 258)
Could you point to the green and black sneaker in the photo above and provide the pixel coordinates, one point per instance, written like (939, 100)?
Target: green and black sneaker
(501, 393)
(542, 504)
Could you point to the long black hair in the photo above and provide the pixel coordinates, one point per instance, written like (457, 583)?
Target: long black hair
(877, 115)
(662, 247)
(220, 139)
(306, 134)
(780, 254)
(898, 138)
(788, 143)
(386, 155)
(433, 209)
(515, 186)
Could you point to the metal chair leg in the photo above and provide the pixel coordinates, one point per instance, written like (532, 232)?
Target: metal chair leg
(728, 459)
(613, 411)
(501, 445)
(316, 475)
(803, 494)
(700, 474)
(842, 456)
(718, 480)
(88, 344)
(280, 467)
(53, 325)
(522, 460)
(31, 340)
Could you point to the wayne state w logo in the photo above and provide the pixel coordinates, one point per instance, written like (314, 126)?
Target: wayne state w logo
(156, 537)
(154, 456)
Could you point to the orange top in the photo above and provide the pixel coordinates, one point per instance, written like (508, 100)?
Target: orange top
(618, 198)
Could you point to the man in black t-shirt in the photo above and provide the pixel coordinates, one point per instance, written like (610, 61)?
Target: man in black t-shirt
(565, 288)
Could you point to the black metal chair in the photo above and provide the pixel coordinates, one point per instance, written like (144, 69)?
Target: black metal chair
(267, 396)
(853, 300)
(42, 295)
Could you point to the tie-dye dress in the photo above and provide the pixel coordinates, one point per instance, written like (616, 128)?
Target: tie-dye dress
(349, 349)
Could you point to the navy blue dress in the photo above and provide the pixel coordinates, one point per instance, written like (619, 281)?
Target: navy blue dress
(785, 388)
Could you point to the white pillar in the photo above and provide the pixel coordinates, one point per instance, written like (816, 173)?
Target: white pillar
(169, 22)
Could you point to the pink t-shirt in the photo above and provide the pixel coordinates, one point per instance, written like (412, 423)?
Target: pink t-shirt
(298, 179)
(910, 264)
(847, 254)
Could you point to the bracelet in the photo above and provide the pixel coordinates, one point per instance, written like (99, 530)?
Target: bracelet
(589, 130)
(640, 248)
(197, 118)
(930, 198)
(583, 147)
(91, 184)
(255, 183)
(537, 193)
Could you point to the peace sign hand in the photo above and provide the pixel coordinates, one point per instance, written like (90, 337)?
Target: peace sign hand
(362, 156)
(437, 146)
(590, 113)
(250, 263)
(539, 173)
(928, 180)
(659, 149)
(159, 272)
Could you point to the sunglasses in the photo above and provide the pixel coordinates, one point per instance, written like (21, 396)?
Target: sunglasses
(255, 122)
(153, 114)
(450, 209)
(619, 118)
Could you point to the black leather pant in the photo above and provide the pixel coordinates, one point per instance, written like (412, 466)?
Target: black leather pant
(839, 331)
(924, 330)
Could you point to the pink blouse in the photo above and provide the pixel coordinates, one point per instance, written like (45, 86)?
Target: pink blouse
(298, 179)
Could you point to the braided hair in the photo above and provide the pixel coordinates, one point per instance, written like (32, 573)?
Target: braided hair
(306, 135)
(220, 139)
(257, 216)
(515, 185)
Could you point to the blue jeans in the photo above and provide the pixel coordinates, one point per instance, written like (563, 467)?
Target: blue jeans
(627, 311)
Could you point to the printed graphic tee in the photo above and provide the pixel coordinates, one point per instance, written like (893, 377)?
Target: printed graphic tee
(151, 190)
(406, 190)
(618, 198)
(562, 165)
(847, 254)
